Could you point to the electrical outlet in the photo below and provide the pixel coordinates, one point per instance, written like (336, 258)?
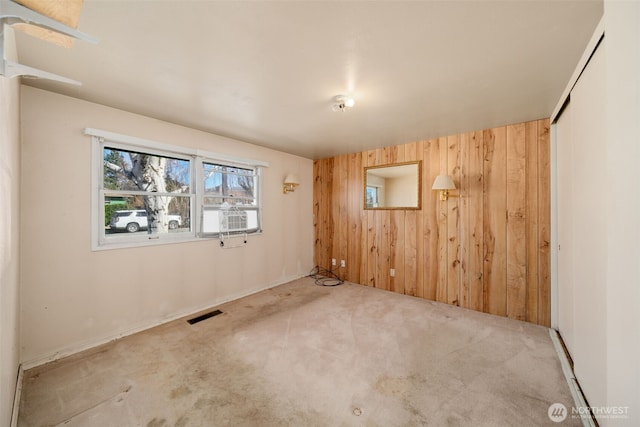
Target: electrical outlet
(392, 272)
(333, 262)
(343, 263)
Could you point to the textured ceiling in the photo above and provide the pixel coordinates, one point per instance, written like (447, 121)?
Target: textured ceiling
(266, 72)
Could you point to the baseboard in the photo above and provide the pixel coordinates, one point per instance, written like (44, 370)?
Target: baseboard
(16, 398)
(574, 387)
(79, 347)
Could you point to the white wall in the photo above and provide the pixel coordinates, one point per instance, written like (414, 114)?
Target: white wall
(622, 171)
(9, 243)
(73, 298)
(582, 230)
(402, 191)
(605, 261)
(565, 144)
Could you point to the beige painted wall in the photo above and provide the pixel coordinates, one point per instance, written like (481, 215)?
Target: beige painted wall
(599, 310)
(622, 33)
(73, 298)
(402, 191)
(582, 228)
(9, 244)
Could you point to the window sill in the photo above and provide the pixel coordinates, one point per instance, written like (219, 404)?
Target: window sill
(97, 247)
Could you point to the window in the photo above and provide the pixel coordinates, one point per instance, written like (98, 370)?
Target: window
(372, 196)
(149, 193)
(230, 199)
(144, 194)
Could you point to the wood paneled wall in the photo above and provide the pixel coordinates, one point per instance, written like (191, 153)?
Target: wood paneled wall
(487, 250)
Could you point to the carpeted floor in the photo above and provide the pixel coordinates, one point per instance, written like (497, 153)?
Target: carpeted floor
(304, 355)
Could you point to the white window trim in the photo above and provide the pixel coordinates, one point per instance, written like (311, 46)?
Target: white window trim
(200, 197)
(195, 156)
(154, 145)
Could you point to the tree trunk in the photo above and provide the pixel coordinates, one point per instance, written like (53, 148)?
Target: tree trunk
(149, 172)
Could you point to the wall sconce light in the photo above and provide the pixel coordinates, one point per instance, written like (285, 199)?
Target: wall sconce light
(443, 183)
(290, 183)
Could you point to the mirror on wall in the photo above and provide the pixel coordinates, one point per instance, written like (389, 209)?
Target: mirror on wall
(395, 186)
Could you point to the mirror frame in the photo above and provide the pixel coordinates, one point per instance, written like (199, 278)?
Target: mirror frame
(364, 186)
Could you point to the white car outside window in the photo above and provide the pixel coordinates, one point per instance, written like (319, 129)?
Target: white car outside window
(136, 220)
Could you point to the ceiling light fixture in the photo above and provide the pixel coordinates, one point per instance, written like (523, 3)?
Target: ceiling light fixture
(342, 102)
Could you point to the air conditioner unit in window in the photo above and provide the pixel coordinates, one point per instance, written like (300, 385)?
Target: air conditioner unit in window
(233, 220)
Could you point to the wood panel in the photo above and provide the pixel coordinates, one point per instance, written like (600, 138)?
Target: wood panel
(430, 220)
(413, 267)
(397, 238)
(372, 250)
(354, 200)
(372, 244)
(487, 250)
(516, 227)
(342, 225)
(323, 218)
(476, 230)
(463, 209)
(495, 221)
(364, 215)
(544, 224)
(383, 223)
(453, 270)
(385, 156)
(443, 231)
(531, 231)
(318, 194)
(397, 251)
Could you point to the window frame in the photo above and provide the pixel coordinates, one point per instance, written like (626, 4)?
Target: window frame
(202, 206)
(103, 240)
(197, 158)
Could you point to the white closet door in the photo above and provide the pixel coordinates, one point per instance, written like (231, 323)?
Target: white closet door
(582, 228)
(564, 155)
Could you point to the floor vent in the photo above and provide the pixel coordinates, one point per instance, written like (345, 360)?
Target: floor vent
(204, 317)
